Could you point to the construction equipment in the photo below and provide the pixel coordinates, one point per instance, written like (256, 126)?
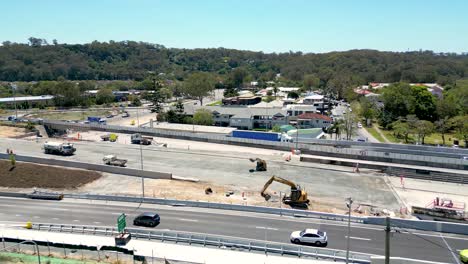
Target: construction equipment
(109, 137)
(139, 139)
(59, 148)
(261, 164)
(114, 161)
(44, 195)
(298, 197)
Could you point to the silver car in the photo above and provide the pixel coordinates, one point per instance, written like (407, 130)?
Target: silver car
(310, 236)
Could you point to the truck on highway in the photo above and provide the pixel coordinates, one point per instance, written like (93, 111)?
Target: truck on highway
(59, 148)
(114, 161)
(96, 120)
(139, 139)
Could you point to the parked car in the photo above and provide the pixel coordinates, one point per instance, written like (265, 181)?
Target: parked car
(147, 219)
(359, 125)
(310, 236)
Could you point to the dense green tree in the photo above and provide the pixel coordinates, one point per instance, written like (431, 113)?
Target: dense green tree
(367, 110)
(310, 81)
(423, 128)
(203, 117)
(424, 105)
(443, 126)
(401, 129)
(199, 85)
(460, 125)
(104, 96)
(398, 102)
(230, 92)
(293, 95)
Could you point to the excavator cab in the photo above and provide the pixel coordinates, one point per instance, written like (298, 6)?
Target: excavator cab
(261, 164)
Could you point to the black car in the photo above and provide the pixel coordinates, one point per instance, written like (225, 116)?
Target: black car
(147, 219)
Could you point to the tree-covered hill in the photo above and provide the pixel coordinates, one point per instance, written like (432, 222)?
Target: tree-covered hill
(38, 60)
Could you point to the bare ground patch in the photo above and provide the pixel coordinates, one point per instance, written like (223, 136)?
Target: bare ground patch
(29, 175)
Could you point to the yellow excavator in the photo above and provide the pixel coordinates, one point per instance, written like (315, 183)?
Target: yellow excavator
(298, 196)
(261, 164)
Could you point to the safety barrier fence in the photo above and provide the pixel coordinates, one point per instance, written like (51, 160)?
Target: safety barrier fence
(214, 241)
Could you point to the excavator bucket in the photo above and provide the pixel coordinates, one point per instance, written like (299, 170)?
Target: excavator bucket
(266, 196)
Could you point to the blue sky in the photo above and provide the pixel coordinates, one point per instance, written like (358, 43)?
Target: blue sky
(266, 25)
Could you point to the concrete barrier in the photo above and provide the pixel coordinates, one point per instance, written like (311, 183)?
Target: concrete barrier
(93, 167)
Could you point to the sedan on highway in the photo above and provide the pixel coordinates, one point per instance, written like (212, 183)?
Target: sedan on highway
(310, 236)
(147, 219)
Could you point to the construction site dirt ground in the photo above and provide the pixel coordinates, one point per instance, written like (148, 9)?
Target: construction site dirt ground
(30, 175)
(11, 132)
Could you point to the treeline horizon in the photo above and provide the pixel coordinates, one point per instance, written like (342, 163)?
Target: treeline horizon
(39, 60)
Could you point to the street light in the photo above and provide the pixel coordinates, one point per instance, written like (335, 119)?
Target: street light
(14, 87)
(141, 159)
(349, 202)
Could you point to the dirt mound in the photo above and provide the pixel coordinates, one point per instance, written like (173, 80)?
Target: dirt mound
(28, 175)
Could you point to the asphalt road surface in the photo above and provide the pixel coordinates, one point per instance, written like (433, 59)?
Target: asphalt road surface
(364, 238)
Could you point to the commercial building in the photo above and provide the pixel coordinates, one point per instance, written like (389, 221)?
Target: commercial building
(44, 99)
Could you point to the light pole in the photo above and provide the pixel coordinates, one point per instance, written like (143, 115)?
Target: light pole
(349, 202)
(14, 86)
(297, 134)
(141, 159)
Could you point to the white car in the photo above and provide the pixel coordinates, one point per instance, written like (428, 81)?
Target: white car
(310, 236)
(359, 125)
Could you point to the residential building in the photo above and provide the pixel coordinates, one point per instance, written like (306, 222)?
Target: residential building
(243, 117)
(314, 120)
(298, 109)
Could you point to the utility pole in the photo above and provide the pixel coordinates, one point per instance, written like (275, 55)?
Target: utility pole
(349, 202)
(387, 240)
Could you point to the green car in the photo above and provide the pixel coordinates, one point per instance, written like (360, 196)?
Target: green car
(464, 256)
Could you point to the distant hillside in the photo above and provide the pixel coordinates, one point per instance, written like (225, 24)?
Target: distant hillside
(132, 60)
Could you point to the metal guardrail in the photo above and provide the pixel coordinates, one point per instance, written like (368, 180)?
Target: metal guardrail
(258, 209)
(214, 241)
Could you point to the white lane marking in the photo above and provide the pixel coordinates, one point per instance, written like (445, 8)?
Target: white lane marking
(55, 218)
(116, 213)
(17, 215)
(96, 222)
(36, 217)
(359, 238)
(266, 228)
(76, 220)
(60, 209)
(431, 235)
(188, 220)
(451, 251)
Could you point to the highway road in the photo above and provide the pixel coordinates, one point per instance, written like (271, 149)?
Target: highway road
(364, 238)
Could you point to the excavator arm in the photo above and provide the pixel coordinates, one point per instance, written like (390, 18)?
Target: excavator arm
(277, 179)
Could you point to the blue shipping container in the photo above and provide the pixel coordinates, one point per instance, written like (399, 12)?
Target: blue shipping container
(94, 119)
(256, 135)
